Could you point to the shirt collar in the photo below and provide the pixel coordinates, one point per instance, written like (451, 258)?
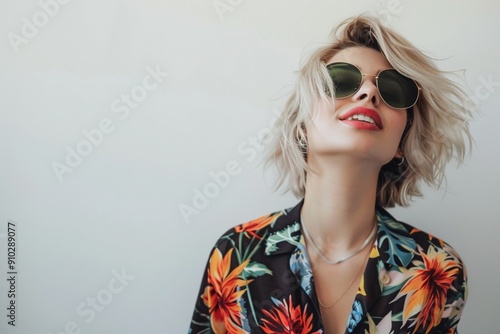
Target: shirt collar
(389, 230)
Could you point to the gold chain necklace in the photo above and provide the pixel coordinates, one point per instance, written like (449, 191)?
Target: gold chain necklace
(343, 293)
(342, 259)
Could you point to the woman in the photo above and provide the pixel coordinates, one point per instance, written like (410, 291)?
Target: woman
(370, 118)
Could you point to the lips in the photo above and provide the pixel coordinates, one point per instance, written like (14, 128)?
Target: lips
(362, 117)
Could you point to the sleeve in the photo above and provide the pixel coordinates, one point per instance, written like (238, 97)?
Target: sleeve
(455, 301)
(200, 321)
(205, 316)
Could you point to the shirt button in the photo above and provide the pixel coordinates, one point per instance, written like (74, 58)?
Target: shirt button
(385, 279)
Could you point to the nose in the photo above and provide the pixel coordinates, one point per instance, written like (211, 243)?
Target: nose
(368, 90)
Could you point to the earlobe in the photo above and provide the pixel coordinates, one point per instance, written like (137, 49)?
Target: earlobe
(399, 154)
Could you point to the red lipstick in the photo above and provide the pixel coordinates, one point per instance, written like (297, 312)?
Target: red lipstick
(358, 118)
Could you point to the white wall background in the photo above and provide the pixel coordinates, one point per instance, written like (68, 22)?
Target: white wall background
(118, 209)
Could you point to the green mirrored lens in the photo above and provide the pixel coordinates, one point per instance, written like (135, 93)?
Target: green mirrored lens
(346, 79)
(397, 90)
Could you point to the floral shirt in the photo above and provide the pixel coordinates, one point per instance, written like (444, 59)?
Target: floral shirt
(259, 280)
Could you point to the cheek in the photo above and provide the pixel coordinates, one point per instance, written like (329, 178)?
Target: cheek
(403, 121)
(325, 109)
(319, 132)
(399, 125)
(321, 118)
(340, 103)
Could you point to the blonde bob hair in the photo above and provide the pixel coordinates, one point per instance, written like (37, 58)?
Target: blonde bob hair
(437, 128)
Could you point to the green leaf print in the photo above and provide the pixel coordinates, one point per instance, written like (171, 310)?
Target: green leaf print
(399, 246)
(283, 235)
(254, 269)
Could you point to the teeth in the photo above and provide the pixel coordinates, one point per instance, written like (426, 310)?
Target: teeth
(363, 118)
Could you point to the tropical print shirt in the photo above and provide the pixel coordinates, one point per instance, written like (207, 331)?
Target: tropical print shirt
(259, 280)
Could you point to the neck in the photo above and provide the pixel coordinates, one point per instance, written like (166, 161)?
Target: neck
(339, 204)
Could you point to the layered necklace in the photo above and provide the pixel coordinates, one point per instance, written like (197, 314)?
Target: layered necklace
(342, 259)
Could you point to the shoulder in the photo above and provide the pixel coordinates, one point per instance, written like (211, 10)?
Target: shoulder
(432, 276)
(411, 238)
(260, 229)
(421, 254)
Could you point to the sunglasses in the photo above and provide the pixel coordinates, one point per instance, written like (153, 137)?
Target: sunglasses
(396, 90)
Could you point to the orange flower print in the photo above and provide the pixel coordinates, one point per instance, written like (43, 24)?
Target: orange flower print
(284, 318)
(256, 224)
(426, 290)
(222, 292)
(430, 236)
